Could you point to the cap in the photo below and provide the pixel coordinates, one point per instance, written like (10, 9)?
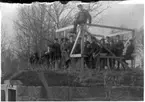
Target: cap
(131, 40)
(92, 37)
(56, 39)
(66, 39)
(85, 35)
(79, 38)
(108, 37)
(79, 5)
(62, 39)
(117, 35)
(103, 38)
(71, 35)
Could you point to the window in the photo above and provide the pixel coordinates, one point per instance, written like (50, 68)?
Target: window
(3, 98)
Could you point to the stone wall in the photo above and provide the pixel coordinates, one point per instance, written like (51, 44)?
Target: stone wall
(28, 93)
(64, 93)
(70, 93)
(86, 93)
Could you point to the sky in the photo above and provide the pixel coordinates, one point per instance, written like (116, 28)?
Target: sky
(129, 15)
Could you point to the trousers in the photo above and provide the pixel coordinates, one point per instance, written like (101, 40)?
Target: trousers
(78, 22)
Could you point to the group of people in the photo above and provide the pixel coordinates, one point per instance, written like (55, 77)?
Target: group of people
(60, 51)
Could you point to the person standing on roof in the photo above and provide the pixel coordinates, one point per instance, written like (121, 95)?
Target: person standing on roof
(81, 18)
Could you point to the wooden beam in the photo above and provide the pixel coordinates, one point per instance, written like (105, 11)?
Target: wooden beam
(64, 29)
(109, 35)
(75, 55)
(75, 42)
(113, 57)
(97, 35)
(111, 27)
(133, 36)
(119, 33)
(82, 46)
(96, 25)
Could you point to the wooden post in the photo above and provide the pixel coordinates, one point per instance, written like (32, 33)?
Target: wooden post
(6, 94)
(98, 63)
(108, 64)
(133, 60)
(64, 34)
(82, 46)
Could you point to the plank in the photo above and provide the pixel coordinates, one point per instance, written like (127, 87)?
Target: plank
(111, 27)
(75, 55)
(109, 35)
(111, 57)
(119, 33)
(64, 29)
(75, 43)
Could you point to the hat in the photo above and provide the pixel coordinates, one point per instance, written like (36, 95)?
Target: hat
(131, 40)
(62, 39)
(103, 38)
(56, 39)
(80, 5)
(79, 38)
(108, 37)
(93, 37)
(117, 35)
(71, 35)
(85, 35)
(66, 39)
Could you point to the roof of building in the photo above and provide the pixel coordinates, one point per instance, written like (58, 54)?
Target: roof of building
(30, 78)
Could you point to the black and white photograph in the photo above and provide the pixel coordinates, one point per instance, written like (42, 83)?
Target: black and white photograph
(78, 51)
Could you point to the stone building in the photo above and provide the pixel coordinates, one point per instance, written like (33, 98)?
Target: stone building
(26, 86)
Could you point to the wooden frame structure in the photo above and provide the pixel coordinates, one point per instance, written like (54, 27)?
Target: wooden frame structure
(82, 41)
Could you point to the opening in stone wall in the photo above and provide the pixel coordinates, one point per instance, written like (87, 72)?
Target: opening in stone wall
(11, 95)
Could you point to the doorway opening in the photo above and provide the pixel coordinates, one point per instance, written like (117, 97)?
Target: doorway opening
(11, 95)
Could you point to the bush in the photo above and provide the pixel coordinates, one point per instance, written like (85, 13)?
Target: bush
(113, 78)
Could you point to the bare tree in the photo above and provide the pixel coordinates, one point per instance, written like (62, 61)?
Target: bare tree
(34, 29)
(4, 40)
(97, 8)
(7, 58)
(61, 15)
(139, 44)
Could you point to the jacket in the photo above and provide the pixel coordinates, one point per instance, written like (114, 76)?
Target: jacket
(84, 15)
